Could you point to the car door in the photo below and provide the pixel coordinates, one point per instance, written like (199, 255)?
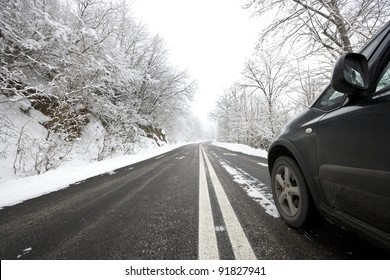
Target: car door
(354, 156)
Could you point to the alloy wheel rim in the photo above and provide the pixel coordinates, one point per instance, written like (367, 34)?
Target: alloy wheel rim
(287, 191)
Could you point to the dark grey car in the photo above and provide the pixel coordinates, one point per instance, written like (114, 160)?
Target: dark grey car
(335, 156)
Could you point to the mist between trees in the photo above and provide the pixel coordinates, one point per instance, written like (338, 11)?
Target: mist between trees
(292, 62)
(67, 64)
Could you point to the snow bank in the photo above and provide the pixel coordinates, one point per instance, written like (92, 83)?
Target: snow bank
(241, 149)
(14, 191)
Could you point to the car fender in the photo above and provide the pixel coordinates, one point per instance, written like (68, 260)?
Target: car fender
(284, 147)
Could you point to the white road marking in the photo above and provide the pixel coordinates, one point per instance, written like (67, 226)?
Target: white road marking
(160, 157)
(208, 248)
(240, 244)
(262, 164)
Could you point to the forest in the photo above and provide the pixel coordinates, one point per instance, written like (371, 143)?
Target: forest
(85, 76)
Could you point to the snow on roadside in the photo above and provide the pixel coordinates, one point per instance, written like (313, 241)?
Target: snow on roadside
(241, 149)
(14, 191)
(252, 186)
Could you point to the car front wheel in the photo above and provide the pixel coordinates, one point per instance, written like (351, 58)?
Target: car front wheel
(290, 192)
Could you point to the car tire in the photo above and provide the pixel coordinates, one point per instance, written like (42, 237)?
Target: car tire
(290, 192)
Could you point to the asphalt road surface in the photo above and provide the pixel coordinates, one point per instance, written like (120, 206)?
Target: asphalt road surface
(196, 202)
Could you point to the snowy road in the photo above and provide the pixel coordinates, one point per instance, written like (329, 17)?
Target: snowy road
(197, 201)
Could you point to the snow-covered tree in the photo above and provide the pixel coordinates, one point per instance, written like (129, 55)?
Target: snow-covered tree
(94, 62)
(337, 26)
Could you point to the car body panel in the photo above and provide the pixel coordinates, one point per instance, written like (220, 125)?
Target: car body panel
(354, 160)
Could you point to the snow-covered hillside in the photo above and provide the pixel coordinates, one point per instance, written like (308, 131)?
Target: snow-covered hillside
(25, 149)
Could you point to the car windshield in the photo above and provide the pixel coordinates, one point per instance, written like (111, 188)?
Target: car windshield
(370, 47)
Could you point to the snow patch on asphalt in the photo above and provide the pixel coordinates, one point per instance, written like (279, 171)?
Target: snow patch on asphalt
(180, 158)
(244, 149)
(220, 228)
(253, 187)
(25, 251)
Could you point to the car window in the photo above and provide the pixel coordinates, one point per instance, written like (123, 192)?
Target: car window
(329, 100)
(384, 80)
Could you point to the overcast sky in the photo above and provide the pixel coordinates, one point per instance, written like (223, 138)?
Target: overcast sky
(209, 38)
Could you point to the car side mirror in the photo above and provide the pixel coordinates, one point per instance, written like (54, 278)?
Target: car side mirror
(350, 74)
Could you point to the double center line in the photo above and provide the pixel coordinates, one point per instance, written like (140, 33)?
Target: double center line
(208, 246)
